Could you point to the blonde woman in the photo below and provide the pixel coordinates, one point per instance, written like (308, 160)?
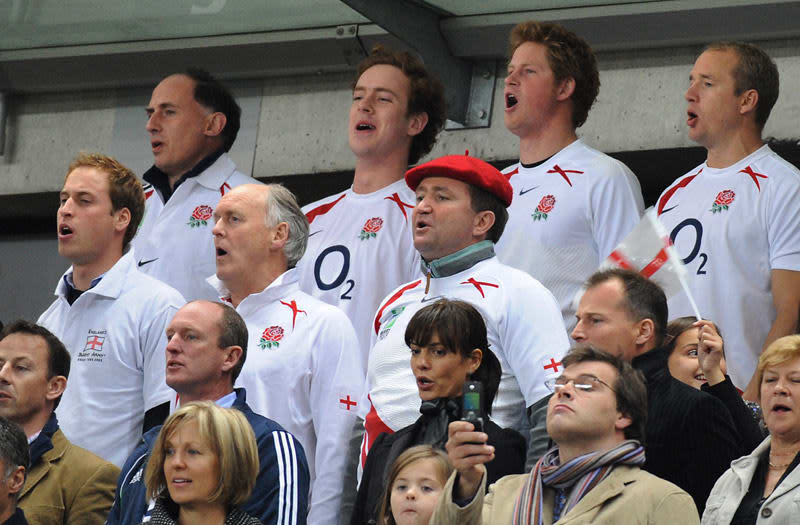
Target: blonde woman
(204, 463)
(764, 487)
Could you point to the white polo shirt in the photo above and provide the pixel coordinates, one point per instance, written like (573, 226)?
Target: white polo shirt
(115, 335)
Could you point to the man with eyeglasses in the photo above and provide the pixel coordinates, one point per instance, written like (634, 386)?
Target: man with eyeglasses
(597, 419)
(691, 436)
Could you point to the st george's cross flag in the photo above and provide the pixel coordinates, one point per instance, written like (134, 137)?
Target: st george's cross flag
(647, 249)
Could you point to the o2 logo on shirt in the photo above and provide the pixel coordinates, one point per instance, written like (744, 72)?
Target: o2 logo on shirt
(695, 252)
(340, 278)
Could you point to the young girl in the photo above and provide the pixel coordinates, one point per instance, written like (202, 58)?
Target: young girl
(416, 479)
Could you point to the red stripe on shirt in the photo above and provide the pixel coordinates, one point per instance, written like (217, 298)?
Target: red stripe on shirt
(373, 427)
(322, 210)
(667, 196)
(392, 299)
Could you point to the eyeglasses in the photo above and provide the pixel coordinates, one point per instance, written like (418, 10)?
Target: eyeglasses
(582, 383)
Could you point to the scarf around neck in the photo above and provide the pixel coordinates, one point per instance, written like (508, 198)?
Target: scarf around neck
(582, 474)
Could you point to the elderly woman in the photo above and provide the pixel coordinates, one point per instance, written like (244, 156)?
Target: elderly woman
(764, 487)
(204, 463)
(448, 345)
(697, 358)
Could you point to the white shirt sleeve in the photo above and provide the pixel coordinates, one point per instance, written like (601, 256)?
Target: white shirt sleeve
(783, 226)
(529, 350)
(336, 387)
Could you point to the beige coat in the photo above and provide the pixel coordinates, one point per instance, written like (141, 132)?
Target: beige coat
(68, 485)
(628, 495)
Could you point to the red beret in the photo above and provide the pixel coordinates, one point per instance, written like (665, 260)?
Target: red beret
(466, 169)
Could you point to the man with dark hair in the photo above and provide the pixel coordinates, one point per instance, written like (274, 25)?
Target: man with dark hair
(572, 204)
(192, 121)
(734, 219)
(304, 371)
(34, 367)
(525, 329)
(109, 315)
(596, 419)
(206, 348)
(360, 244)
(691, 436)
(14, 460)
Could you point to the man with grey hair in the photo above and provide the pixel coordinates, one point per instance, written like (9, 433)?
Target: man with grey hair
(303, 369)
(14, 458)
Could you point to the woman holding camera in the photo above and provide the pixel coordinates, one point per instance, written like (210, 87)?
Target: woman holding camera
(448, 347)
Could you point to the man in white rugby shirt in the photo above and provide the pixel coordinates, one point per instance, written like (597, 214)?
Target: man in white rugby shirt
(735, 219)
(572, 204)
(460, 214)
(302, 369)
(192, 122)
(360, 248)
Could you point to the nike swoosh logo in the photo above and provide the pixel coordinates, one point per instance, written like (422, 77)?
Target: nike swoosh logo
(523, 192)
(665, 210)
(314, 233)
(142, 263)
(426, 299)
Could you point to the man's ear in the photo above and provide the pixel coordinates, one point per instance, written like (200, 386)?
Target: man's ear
(280, 236)
(233, 354)
(748, 101)
(622, 421)
(55, 387)
(123, 219)
(646, 331)
(483, 222)
(16, 480)
(565, 89)
(417, 123)
(215, 123)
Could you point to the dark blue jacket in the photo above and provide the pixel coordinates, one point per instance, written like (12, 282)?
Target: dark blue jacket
(283, 476)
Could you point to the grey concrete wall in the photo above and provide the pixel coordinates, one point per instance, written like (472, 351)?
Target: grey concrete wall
(301, 123)
(29, 270)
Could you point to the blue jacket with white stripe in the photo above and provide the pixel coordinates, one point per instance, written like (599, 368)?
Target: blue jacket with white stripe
(280, 495)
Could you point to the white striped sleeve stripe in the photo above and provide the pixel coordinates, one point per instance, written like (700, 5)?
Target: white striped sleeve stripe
(287, 470)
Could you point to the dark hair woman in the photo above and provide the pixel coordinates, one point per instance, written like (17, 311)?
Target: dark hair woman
(448, 346)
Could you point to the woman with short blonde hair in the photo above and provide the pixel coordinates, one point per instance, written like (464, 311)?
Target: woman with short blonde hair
(204, 463)
(766, 483)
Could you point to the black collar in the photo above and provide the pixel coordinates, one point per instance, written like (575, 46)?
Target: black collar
(44, 441)
(160, 180)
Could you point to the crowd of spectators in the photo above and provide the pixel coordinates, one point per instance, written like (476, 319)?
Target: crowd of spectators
(217, 354)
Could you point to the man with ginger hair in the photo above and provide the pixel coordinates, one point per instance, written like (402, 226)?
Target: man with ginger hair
(109, 315)
(572, 204)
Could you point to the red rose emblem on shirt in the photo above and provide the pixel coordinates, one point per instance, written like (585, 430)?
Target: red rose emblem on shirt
(545, 206)
(270, 337)
(200, 216)
(371, 228)
(723, 201)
